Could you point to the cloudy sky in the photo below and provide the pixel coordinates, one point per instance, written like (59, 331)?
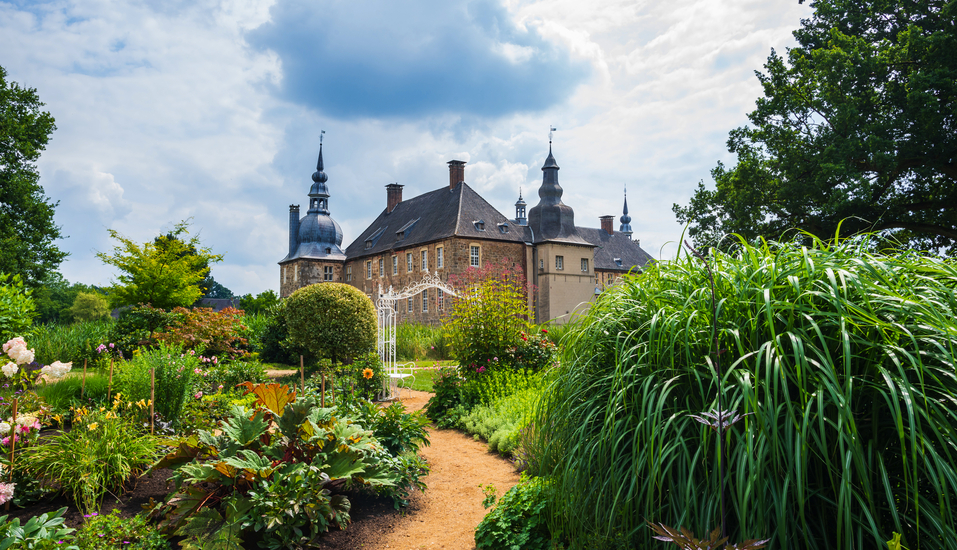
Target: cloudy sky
(211, 109)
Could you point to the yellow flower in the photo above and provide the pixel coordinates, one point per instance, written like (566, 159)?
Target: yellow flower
(92, 426)
(367, 373)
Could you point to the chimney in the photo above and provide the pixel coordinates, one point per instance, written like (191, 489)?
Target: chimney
(393, 193)
(456, 173)
(607, 224)
(293, 228)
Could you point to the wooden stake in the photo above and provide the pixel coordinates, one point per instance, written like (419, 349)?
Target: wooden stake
(109, 386)
(13, 443)
(152, 396)
(302, 376)
(332, 389)
(83, 382)
(323, 391)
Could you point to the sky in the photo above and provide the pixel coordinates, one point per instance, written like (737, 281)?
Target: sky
(211, 110)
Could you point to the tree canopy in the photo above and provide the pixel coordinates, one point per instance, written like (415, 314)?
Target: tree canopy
(857, 129)
(331, 320)
(27, 230)
(164, 273)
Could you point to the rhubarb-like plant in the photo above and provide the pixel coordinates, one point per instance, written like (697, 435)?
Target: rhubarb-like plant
(273, 473)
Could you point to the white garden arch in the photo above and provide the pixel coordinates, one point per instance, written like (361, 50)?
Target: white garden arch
(386, 309)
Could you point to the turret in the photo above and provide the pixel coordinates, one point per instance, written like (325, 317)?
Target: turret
(625, 218)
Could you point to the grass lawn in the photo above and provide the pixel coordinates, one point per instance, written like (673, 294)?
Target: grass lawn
(424, 372)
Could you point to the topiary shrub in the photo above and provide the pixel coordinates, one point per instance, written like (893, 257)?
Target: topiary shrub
(841, 363)
(331, 320)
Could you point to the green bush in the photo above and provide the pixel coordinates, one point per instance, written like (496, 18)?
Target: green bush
(229, 375)
(519, 519)
(843, 361)
(175, 375)
(112, 532)
(331, 320)
(40, 532)
(501, 421)
(137, 327)
(16, 308)
(89, 306)
(272, 341)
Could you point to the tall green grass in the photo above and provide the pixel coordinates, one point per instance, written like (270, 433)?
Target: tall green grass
(69, 342)
(844, 361)
(419, 342)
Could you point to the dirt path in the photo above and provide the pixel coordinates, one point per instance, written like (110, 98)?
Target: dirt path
(451, 507)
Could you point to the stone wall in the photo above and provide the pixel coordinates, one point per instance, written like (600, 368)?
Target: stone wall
(304, 272)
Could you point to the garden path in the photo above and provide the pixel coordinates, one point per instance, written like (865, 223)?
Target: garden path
(451, 507)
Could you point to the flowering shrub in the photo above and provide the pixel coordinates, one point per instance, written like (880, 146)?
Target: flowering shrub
(109, 531)
(534, 351)
(489, 315)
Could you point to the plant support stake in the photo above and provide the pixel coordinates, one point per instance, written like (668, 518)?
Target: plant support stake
(109, 385)
(302, 375)
(323, 391)
(152, 397)
(83, 381)
(13, 442)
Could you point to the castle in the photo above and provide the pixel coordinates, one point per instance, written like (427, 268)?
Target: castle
(452, 229)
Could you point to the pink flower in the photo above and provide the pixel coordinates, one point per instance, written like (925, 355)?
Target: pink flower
(215, 361)
(197, 371)
(198, 395)
(6, 492)
(481, 369)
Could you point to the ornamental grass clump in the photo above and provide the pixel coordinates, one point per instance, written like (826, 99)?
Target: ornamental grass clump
(841, 363)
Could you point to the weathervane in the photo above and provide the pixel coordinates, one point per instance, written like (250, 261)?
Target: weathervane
(550, 130)
(321, 133)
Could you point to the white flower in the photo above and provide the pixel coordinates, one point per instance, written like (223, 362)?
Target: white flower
(4, 428)
(21, 355)
(17, 342)
(10, 369)
(57, 369)
(26, 419)
(6, 492)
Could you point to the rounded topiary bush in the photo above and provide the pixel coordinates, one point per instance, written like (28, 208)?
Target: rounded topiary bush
(843, 361)
(331, 320)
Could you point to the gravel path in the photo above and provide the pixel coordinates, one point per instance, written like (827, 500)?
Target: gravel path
(451, 507)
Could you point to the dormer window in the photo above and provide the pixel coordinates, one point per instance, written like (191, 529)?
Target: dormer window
(370, 242)
(405, 229)
(479, 225)
(503, 228)
(328, 250)
(618, 262)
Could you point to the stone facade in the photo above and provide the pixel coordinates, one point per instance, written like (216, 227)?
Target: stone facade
(304, 272)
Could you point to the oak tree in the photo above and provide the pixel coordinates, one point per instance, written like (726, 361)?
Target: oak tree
(857, 129)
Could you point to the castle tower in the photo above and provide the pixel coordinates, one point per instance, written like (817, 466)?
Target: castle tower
(520, 218)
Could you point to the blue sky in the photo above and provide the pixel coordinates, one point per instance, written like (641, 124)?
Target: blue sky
(211, 109)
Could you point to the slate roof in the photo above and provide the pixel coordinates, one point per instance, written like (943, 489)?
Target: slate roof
(614, 246)
(434, 216)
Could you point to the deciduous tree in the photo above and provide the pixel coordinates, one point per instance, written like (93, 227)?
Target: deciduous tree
(857, 127)
(27, 230)
(164, 273)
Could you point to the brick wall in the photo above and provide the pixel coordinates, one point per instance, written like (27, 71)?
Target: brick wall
(456, 258)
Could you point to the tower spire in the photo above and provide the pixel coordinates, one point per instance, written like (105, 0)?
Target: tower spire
(625, 218)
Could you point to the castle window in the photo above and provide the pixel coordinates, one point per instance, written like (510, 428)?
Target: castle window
(618, 262)
(439, 259)
(381, 267)
(327, 273)
(408, 262)
(479, 225)
(425, 260)
(405, 229)
(425, 301)
(283, 274)
(503, 227)
(370, 242)
(584, 265)
(395, 265)
(328, 250)
(349, 274)
(541, 264)
(295, 273)
(440, 298)
(368, 269)
(475, 256)
(559, 262)
(410, 303)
